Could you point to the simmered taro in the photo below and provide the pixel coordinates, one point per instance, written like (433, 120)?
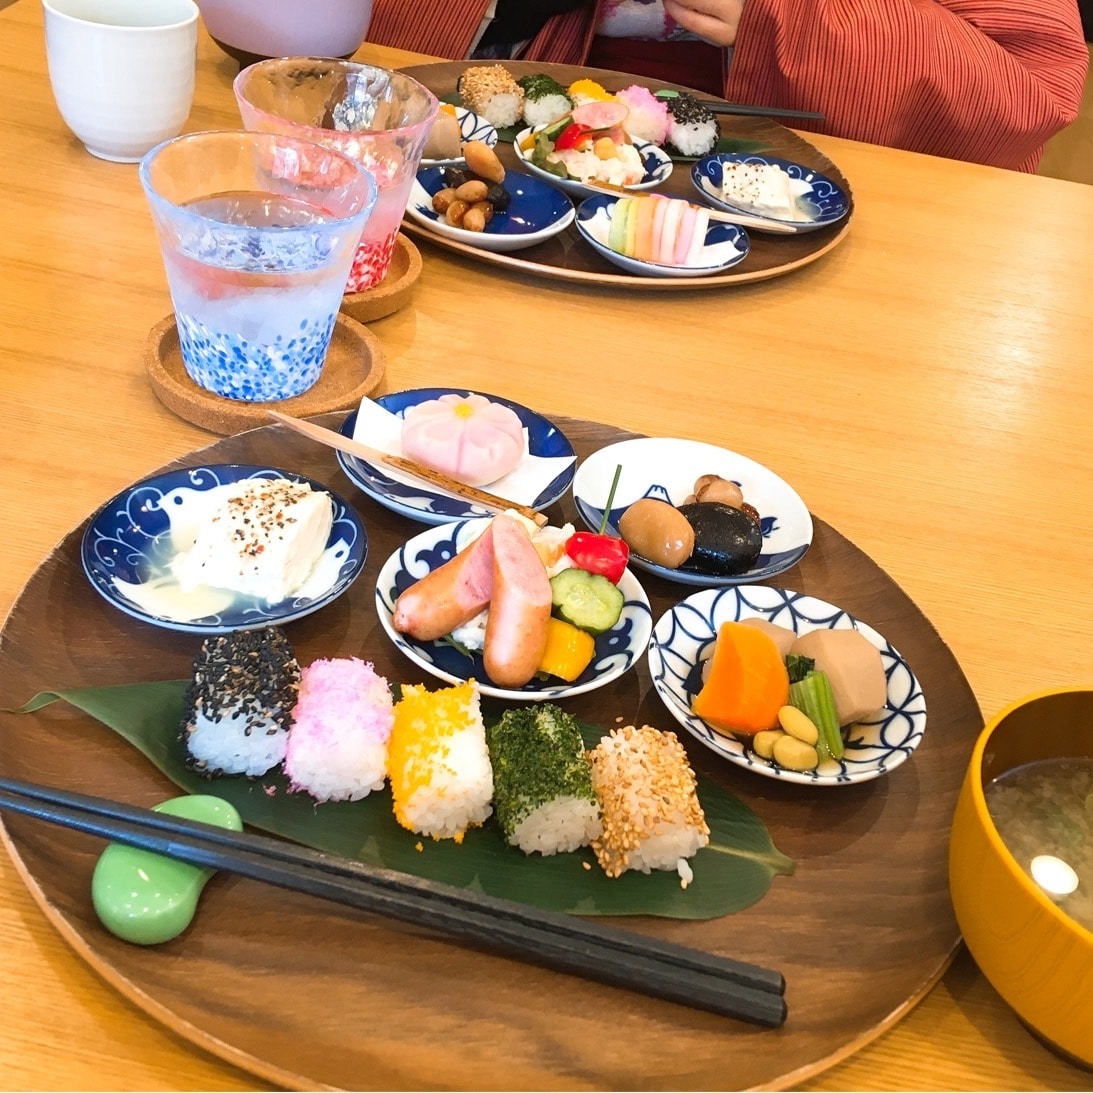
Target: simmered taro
(727, 541)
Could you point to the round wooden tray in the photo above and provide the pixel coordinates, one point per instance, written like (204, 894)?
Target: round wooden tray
(394, 292)
(354, 367)
(309, 994)
(566, 257)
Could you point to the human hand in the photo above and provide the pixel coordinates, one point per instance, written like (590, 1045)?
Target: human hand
(714, 20)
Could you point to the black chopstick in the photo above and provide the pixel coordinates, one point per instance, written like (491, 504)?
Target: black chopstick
(746, 111)
(561, 942)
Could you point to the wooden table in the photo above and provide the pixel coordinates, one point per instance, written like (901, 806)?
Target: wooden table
(926, 387)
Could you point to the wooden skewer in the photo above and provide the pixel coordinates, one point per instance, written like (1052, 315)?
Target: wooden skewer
(742, 220)
(346, 444)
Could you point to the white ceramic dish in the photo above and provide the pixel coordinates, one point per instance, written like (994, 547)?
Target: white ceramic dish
(536, 212)
(471, 127)
(658, 168)
(617, 651)
(684, 637)
(666, 469)
(130, 542)
(726, 245)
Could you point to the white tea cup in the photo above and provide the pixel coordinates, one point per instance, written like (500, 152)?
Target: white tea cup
(122, 71)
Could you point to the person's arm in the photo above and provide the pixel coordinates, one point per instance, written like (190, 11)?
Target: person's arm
(982, 80)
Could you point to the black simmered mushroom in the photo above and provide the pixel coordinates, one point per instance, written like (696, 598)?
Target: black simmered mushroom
(727, 540)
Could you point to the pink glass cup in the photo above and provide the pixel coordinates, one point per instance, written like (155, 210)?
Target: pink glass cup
(378, 117)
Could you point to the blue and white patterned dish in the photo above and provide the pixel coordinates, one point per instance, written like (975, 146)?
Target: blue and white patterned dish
(727, 245)
(658, 168)
(666, 469)
(130, 540)
(826, 203)
(536, 212)
(617, 651)
(471, 127)
(417, 500)
(684, 637)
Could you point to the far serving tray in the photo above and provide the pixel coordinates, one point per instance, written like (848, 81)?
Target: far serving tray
(312, 995)
(567, 257)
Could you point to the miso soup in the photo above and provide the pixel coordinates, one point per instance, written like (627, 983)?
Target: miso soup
(1044, 814)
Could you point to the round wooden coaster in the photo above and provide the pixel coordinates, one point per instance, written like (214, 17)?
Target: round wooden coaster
(355, 364)
(392, 293)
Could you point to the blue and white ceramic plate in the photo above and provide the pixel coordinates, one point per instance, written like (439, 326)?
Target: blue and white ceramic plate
(658, 167)
(726, 244)
(131, 541)
(617, 651)
(821, 202)
(667, 469)
(684, 637)
(536, 212)
(419, 502)
(471, 127)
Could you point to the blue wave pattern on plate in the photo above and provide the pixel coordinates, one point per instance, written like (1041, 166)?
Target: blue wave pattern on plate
(684, 637)
(826, 202)
(416, 500)
(533, 206)
(128, 539)
(616, 651)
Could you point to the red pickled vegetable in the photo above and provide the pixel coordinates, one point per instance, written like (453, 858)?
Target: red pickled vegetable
(571, 136)
(597, 552)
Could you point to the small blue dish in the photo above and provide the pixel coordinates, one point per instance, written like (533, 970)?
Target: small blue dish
(726, 245)
(536, 212)
(134, 536)
(822, 204)
(666, 469)
(420, 503)
(684, 637)
(657, 163)
(617, 651)
(471, 127)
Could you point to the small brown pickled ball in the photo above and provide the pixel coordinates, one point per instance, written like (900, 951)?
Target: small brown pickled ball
(712, 487)
(658, 532)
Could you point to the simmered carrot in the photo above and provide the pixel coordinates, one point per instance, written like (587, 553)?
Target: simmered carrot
(747, 682)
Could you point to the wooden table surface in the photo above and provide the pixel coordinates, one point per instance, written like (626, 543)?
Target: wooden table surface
(927, 388)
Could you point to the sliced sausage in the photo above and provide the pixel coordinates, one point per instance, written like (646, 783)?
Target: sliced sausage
(449, 596)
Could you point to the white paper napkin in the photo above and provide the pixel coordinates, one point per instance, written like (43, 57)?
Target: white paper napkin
(379, 428)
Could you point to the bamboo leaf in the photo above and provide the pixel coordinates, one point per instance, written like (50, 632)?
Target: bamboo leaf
(732, 873)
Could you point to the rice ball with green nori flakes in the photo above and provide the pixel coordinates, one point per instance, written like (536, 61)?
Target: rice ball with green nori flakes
(542, 782)
(544, 99)
(238, 704)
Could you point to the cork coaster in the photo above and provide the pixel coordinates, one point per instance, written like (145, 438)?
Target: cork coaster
(392, 293)
(355, 364)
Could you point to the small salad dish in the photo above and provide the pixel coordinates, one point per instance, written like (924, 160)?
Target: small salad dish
(658, 167)
(785, 193)
(616, 652)
(722, 247)
(471, 127)
(131, 542)
(684, 637)
(544, 476)
(667, 469)
(536, 211)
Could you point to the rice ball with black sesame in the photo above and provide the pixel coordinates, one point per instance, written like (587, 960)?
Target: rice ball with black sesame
(238, 703)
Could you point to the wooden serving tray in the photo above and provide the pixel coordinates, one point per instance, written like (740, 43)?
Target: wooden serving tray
(567, 257)
(310, 994)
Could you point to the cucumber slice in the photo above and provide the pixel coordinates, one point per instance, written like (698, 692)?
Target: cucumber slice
(586, 600)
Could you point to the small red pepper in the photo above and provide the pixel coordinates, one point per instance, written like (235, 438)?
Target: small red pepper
(597, 552)
(571, 136)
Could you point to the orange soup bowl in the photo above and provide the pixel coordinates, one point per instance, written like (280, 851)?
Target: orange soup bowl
(1038, 958)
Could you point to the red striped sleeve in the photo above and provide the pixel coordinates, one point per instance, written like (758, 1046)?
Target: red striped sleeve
(444, 30)
(982, 80)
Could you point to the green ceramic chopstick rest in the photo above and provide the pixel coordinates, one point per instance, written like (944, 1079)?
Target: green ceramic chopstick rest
(148, 898)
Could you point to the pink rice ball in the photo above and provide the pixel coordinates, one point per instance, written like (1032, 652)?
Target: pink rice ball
(649, 118)
(467, 437)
